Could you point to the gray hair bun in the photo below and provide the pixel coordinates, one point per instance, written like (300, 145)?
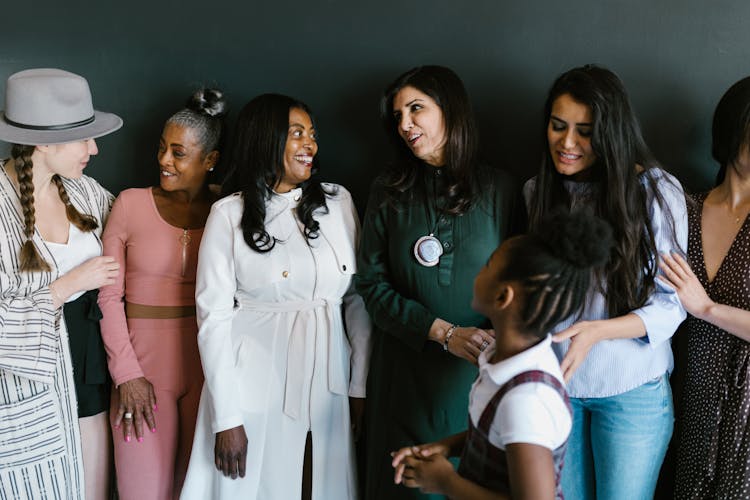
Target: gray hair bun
(210, 102)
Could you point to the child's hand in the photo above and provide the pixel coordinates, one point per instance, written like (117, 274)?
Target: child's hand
(430, 474)
(423, 450)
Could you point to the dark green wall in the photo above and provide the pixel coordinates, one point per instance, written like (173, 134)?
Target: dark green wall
(143, 58)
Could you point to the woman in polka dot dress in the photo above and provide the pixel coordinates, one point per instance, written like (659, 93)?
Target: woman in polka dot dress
(714, 454)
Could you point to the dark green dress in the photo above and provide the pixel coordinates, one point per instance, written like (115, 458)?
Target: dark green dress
(416, 392)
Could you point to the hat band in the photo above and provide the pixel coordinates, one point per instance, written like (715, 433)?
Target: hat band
(64, 126)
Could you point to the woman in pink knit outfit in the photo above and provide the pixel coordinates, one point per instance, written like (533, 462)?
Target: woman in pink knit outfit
(149, 327)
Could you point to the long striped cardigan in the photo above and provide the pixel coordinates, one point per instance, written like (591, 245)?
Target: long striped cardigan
(40, 449)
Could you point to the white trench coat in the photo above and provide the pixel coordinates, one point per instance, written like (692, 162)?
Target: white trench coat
(284, 341)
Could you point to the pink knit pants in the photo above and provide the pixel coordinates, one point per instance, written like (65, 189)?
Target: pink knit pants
(167, 351)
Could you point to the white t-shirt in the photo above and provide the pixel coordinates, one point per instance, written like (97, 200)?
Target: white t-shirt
(81, 246)
(531, 413)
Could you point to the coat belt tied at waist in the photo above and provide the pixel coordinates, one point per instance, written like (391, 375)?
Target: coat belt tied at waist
(338, 346)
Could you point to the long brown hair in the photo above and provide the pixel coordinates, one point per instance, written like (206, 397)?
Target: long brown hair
(30, 260)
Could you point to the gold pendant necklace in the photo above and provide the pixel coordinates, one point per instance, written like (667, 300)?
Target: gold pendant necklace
(185, 240)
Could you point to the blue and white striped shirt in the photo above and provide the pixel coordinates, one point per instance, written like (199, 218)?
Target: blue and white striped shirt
(615, 366)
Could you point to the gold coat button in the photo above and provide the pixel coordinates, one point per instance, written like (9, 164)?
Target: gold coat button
(285, 274)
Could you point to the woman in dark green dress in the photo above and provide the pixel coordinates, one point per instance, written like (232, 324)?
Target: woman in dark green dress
(433, 219)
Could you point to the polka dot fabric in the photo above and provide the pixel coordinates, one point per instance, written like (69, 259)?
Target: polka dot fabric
(713, 459)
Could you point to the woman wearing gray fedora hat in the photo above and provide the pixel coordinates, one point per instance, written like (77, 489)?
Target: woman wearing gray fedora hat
(53, 380)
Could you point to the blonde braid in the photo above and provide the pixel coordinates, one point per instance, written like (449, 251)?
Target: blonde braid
(30, 260)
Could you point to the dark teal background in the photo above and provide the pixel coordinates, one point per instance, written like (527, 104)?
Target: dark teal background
(143, 58)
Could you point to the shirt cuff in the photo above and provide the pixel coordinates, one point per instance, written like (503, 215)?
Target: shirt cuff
(226, 423)
(661, 317)
(357, 391)
(126, 377)
(420, 332)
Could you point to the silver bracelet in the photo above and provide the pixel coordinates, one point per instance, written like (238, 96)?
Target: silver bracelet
(448, 336)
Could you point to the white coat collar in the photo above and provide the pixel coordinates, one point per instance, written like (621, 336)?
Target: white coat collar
(278, 204)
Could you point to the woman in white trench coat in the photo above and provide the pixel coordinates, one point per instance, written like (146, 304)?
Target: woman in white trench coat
(284, 339)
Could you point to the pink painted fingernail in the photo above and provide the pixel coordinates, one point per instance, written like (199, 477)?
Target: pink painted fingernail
(127, 439)
(153, 430)
(140, 439)
(154, 407)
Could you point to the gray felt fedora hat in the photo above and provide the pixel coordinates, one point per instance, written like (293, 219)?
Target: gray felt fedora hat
(51, 106)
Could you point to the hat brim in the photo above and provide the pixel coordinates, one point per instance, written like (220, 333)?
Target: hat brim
(103, 124)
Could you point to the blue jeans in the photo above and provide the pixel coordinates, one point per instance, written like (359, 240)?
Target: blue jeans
(617, 444)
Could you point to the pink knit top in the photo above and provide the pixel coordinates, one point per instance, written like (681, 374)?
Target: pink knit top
(157, 268)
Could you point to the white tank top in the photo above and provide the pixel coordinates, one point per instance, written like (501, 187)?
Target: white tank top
(81, 246)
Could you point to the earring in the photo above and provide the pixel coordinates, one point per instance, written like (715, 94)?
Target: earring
(211, 169)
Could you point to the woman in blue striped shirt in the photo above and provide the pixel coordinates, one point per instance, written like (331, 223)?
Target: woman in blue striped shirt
(616, 354)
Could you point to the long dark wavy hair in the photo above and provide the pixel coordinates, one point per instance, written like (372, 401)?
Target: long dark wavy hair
(256, 165)
(466, 178)
(731, 126)
(622, 160)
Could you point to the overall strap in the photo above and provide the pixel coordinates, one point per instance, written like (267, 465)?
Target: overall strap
(488, 415)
